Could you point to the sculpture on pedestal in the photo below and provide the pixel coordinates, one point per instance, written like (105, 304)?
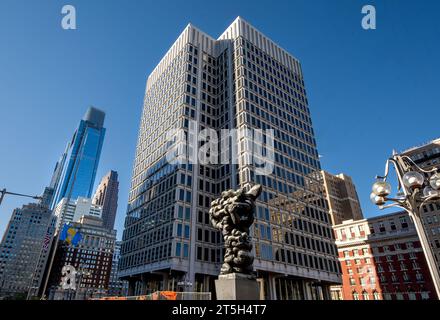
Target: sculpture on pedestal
(233, 214)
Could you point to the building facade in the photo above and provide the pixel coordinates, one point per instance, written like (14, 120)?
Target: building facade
(106, 196)
(342, 197)
(73, 210)
(427, 156)
(24, 250)
(243, 81)
(116, 286)
(75, 172)
(381, 259)
(91, 258)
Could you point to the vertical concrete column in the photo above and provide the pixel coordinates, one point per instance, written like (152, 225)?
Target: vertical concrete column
(326, 292)
(261, 283)
(272, 287)
(165, 285)
(131, 287)
(144, 287)
(205, 284)
(306, 290)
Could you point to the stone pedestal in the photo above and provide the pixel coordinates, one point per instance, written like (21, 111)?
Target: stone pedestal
(237, 286)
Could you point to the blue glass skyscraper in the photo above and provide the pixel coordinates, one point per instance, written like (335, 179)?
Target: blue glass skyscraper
(75, 172)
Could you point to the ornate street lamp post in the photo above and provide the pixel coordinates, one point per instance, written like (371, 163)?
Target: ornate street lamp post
(416, 187)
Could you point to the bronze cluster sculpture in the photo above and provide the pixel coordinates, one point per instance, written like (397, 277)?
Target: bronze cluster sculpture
(233, 214)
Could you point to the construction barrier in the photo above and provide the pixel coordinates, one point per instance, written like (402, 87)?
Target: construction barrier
(165, 295)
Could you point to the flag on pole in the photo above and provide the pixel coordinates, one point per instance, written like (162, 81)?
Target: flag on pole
(70, 234)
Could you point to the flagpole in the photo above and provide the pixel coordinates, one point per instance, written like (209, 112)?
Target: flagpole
(49, 270)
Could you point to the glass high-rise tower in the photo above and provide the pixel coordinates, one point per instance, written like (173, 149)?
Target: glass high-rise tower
(242, 80)
(75, 172)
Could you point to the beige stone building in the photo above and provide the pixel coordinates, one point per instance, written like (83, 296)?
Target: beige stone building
(342, 197)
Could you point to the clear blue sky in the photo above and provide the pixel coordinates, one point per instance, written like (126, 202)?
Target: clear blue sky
(362, 85)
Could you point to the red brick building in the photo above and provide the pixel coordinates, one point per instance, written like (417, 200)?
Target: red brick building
(381, 259)
(91, 258)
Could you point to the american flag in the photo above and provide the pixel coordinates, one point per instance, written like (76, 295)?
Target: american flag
(46, 241)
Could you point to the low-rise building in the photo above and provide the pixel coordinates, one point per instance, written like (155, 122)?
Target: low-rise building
(382, 259)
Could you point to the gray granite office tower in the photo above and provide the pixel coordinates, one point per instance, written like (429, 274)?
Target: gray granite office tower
(241, 80)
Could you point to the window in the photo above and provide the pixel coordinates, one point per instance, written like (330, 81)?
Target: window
(403, 222)
(355, 295)
(365, 295)
(379, 268)
(425, 295)
(392, 225)
(415, 265)
(186, 231)
(376, 295)
(178, 249)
